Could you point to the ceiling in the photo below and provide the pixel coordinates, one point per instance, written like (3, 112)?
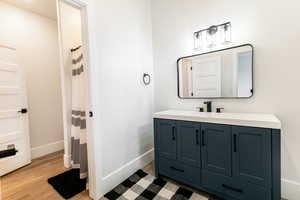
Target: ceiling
(43, 7)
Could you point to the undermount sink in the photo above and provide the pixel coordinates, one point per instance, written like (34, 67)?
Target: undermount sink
(238, 119)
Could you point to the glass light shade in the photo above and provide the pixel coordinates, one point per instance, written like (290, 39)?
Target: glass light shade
(213, 36)
(197, 40)
(203, 39)
(211, 39)
(227, 33)
(221, 35)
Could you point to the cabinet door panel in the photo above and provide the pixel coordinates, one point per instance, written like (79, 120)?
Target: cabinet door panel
(216, 148)
(252, 155)
(167, 136)
(189, 143)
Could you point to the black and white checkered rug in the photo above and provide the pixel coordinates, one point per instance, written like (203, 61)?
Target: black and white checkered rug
(143, 186)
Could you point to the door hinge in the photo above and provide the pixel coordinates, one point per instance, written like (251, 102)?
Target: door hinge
(192, 94)
(191, 68)
(91, 114)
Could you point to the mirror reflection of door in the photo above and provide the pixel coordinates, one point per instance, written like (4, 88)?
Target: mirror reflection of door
(244, 69)
(186, 80)
(206, 77)
(224, 73)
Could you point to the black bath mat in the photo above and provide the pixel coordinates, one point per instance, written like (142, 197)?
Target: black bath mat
(68, 184)
(143, 186)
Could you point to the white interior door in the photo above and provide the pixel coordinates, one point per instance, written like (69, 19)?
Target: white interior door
(206, 76)
(244, 85)
(13, 124)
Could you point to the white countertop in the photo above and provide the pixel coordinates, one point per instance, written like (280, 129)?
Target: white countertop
(238, 119)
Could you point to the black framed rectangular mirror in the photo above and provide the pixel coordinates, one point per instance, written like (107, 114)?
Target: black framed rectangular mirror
(225, 73)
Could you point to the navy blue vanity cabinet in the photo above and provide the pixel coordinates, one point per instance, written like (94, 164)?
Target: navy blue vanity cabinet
(167, 138)
(232, 162)
(189, 143)
(216, 148)
(252, 155)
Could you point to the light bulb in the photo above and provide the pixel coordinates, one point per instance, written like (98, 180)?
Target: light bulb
(211, 40)
(221, 35)
(227, 33)
(197, 40)
(203, 39)
(212, 36)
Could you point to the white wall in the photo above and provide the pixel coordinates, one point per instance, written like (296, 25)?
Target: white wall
(112, 25)
(123, 106)
(71, 36)
(35, 38)
(273, 28)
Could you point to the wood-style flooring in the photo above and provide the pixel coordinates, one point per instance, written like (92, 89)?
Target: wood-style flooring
(30, 182)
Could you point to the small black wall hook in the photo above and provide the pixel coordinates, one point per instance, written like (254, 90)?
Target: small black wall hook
(146, 79)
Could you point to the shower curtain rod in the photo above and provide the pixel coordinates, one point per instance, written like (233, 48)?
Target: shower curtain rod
(72, 50)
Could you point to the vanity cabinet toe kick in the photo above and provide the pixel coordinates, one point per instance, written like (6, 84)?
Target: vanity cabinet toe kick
(229, 161)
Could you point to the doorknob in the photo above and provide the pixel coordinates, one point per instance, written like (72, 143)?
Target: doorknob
(23, 111)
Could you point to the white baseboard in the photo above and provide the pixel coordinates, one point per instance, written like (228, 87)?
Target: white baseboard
(43, 150)
(290, 189)
(119, 175)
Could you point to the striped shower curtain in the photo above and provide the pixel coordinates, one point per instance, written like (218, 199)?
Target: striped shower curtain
(78, 130)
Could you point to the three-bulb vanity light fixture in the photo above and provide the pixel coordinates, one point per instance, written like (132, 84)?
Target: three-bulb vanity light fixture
(213, 36)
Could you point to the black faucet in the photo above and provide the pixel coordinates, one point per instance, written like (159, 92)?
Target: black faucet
(208, 104)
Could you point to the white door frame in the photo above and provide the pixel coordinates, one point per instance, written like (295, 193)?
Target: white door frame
(82, 6)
